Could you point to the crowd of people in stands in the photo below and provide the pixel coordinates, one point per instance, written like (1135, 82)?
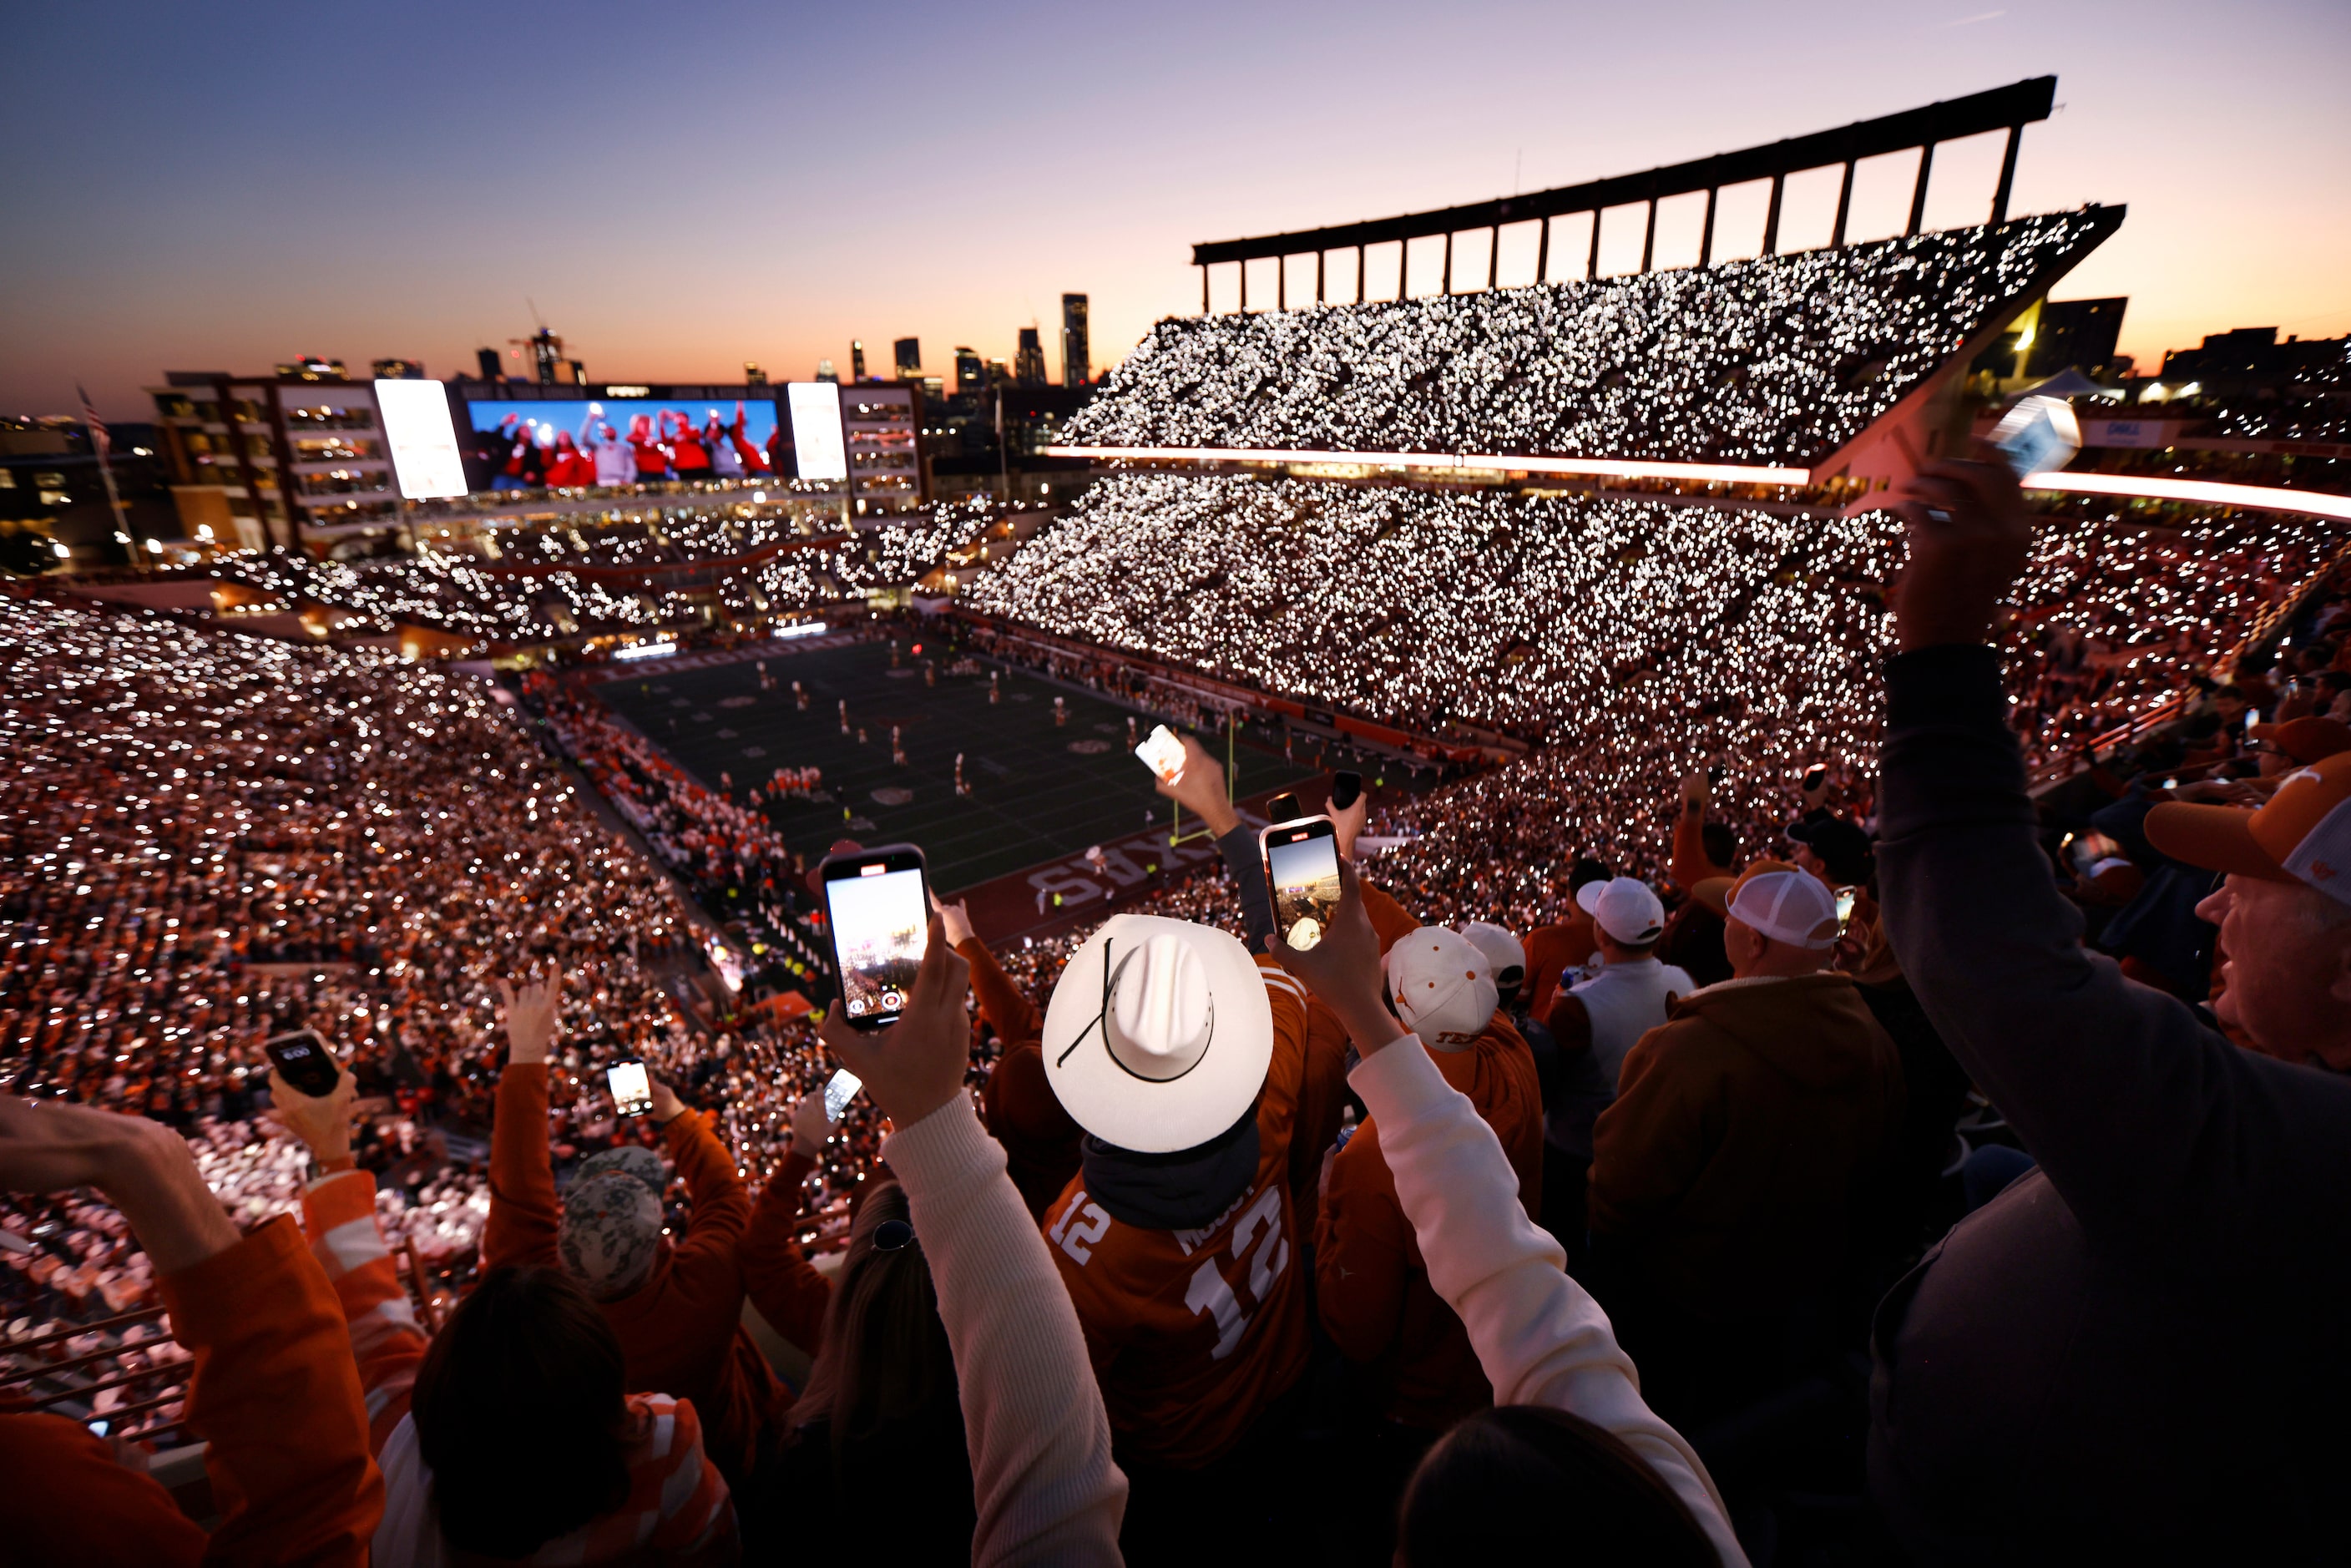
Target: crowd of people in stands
(1820, 1190)
(531, 591)
(1777, 360)
(213, 840)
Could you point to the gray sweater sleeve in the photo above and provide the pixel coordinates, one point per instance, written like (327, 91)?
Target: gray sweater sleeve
(1246, 862)
(2162, 1136)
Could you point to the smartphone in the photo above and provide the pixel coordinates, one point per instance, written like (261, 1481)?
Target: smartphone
(631, 1086)
(1163, 753)
(2039, 435)
(839, 1091)
(1285, 808)
(1815, 776)
(1301, 872)
(307, 1061)
(1844, 897)
(1345, 789)
(1714, 774)
(877, 906)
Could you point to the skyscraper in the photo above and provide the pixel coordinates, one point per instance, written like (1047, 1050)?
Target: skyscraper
(1077, 364)
(1028, 360)
(856, 360)
(825, 372)
(907, 355)
(971, 376)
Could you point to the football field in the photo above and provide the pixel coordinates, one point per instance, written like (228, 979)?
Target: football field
(1038, 790)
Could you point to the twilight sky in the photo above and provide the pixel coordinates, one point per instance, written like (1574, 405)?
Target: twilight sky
(683, 188)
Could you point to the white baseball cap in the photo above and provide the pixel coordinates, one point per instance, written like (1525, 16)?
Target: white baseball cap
(1625, 908)
(1443, 987)
(1504, 952)
(1792, 906)
(1158, 1034)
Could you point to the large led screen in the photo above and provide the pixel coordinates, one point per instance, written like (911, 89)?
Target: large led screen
(619, 441)
(425, 459)
(817, 438)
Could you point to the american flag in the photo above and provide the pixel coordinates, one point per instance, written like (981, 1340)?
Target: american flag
(99, 440)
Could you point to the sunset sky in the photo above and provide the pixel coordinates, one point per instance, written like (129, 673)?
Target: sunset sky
(680, 189)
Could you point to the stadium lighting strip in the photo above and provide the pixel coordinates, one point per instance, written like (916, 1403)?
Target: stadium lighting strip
(2258, 497)
(1604, 468)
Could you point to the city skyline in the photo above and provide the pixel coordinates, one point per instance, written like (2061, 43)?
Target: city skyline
(191, 203)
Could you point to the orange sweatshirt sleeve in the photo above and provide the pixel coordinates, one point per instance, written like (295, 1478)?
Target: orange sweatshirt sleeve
(1389, 918)
(1690, 866)
(277, 1397)
(776, 1275)
(1003, 1006)
(522, 1210)
(1570, 1024)
(387, 1342)
(68, 1500)
(713, 1250)
(1360, 1262)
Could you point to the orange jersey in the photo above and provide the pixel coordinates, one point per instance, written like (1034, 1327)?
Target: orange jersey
(1551, 951)
(1374, 1296)
(1193, 1332)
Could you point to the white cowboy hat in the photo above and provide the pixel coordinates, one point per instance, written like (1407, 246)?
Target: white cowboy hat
(1159, 1033)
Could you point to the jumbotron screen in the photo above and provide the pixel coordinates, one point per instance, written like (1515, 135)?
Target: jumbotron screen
(577, 442)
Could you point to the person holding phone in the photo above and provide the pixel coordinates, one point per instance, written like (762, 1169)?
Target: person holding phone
(676, 1305)
(275, 1394)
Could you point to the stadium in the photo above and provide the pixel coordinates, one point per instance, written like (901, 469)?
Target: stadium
(1592, 580)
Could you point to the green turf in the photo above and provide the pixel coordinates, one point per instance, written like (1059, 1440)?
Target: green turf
(1033, 797)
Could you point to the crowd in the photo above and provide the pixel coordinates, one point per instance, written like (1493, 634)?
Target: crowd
(467, 595)
(1565, 1175)
(212, 839)
(1777, 360)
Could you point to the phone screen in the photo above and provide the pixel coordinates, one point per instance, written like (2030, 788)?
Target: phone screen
(1162, 753)
(1301, 872)
(881, 921)
(306, 1061)
(2039, 435)
(1815, 776)
(1845, 898)
(632, 1088)
(839, 1091)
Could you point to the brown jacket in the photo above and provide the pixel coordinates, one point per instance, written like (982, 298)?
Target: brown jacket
(1744, 1136)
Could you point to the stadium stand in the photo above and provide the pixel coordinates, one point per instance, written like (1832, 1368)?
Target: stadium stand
(1781, 359)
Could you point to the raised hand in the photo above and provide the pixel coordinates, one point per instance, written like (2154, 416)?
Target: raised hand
(531, 1010)
(1199, 788)
(810, 1125)
(954, 920)
(1343, 968)
(322, 1122)
(1969, 540)
(915, 1065)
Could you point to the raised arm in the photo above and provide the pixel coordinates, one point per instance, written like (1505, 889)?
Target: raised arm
(1690, 865)
(275, 1393)
(721, 1199)
(339, 1215)
(776, 1275)
(524, 1213)
(1043, 1481)
(2152, 1127)
(1540, 1337)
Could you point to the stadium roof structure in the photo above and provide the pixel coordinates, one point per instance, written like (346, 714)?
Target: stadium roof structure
(1778, 369)
(2010, 107)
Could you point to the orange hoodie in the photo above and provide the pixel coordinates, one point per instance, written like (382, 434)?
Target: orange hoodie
(1373, 1287)
(1017, 1104)
(275, 1395)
